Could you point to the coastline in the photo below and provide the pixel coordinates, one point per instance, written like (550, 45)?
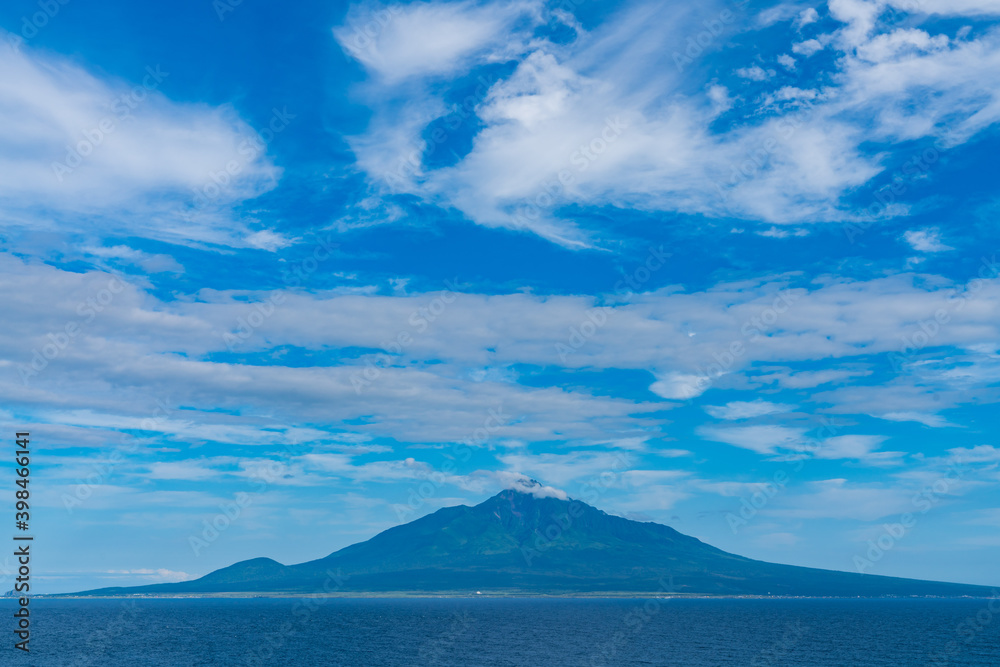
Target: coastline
(605, 595)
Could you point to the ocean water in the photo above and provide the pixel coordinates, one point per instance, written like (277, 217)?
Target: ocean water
(508, 632)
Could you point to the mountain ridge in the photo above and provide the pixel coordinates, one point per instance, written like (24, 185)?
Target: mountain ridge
(517, 542)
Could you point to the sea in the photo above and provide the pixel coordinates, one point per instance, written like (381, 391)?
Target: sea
(507, 632)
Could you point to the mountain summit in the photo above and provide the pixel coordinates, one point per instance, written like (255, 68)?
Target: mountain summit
(530, 540)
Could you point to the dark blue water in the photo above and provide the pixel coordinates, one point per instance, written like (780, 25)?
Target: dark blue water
(508, 632)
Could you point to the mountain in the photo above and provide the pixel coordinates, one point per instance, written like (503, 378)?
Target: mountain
(524, 542)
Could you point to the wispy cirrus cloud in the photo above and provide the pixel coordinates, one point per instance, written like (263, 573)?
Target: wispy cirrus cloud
(558, 100)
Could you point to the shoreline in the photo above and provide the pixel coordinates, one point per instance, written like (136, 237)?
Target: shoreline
(614, 595)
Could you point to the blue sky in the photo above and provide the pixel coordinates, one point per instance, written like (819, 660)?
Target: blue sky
(308, 271)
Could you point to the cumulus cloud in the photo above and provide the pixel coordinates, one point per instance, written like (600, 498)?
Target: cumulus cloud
(806, 17)
(567, 470)
(597, 121)
(754, 73)
(807, 48)
(925, 240)
(76, 145)
(949, 7)
(680, 386)
(524, 484)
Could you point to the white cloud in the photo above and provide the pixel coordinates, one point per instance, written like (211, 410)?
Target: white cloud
(769, 439)
(806, 17)
(680, 386)
(148, 262)
(899, 43)
(977, 454)
(836, 319)
(158, 574)
(894, 70)
(721, 102)
(763, 439)
(792, 93)
(562, 470)
(807, 48)
(192, 470)
(776, 233)
(399, 42)
(841, 499)
(808, 379)
(647, 497)
(561, 97)
(754, 73)
(925, 240)
(653, 146)
(746, 409)
(75, 145)
(986, 517)
(859, 15)
(949, 7)
(925, 418)
(860, 447)
(524, 484)
(673, 453)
